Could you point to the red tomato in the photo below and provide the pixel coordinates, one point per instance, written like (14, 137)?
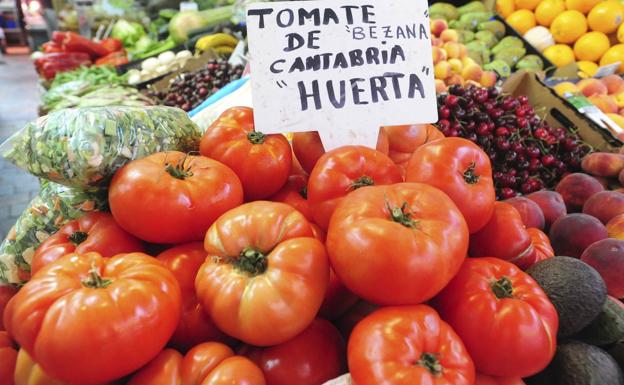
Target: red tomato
(96, 231)
(308, 147)
(343, 170)
(404, 140)
(295, 193)
(170, 197)
(195, 325)
(265, 276)
(6, 293)
(540, 249)
(398, 244)
(209, 363)
(406, 346)
(482, 379)
(313, 357)
(505, 319)
(129, 304)
(338, 299)
(463, 171)
(262, 162)
(504, 236)
(8, 358)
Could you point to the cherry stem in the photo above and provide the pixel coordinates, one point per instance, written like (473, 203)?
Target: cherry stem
(256, 137)
(503, 288)
(251, 261)
(78, 237)
(430, 362)
(469, 175)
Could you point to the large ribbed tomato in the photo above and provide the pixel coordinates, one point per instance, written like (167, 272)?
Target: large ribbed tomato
(210, 363)
(408, 345)
(504, 318)
(6, 293)
(262, 162)
(463, 171)
(195, 324)
(404, 140)
(88, 320)
(169, 197)
(265, 275)
(295, 193)
(398, 244)
(539, 250)
(313, 357)
(8, 357)
(343, 170)
(96, 231)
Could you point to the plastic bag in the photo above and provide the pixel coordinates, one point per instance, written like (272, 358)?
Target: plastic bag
(83, 147)
(45, 215)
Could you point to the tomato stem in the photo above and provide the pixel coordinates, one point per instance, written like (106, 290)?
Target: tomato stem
(251, 261)
(469, 175)
(256, 137)
(95, 280)
(402, 215)
(430, 362)
(78, 237)
(503, 288)
(362, 181)
(178, 170)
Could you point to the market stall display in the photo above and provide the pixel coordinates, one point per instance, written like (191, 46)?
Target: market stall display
(486, 248)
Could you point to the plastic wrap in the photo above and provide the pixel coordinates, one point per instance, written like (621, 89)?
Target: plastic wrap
(84, 147)
(52, 208)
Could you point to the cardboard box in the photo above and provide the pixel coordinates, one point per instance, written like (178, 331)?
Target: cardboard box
(559, 112)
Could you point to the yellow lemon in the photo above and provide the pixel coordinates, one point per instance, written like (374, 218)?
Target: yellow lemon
(588, 68)
(522, 20)
(606, 17)
(547, 10)
(583, 6)
(505, 7)
(559, 54)
(527, 4)
(565, 88)
(591, 46)
(568, 26)
(614, 54)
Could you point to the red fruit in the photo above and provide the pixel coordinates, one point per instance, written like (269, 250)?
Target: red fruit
(607, 257)
(530, 212)
(576, 189)
(571, 234)
(605, 205)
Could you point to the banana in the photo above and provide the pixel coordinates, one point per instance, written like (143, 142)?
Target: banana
(216, 40)
(224, 50)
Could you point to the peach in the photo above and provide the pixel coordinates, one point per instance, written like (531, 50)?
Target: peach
(605, 103)
(614, 84)
(455, 79)
(449, 35)
(453, 50)
(440, 86)
(603, 164)
(615, 227)
(619, 100)
(442, 70)
(607, 257)
(590, 87)
(576, 189)
(530, 212)
(489, 78)
(605, 205)
(438, 26)
(551, 203)
(472, 72)
(463, 51)
(456, 66)
(438, 55)
(466, 61)
(571, 234)
(437, 42)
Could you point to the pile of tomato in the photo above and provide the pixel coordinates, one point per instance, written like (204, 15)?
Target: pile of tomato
(257, 262)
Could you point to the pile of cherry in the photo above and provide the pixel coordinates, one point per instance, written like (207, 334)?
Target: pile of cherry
(527, 154)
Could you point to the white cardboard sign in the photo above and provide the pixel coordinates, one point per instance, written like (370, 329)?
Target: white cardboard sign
(341, 67)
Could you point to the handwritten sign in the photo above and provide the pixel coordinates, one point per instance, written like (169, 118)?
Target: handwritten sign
(341, 67)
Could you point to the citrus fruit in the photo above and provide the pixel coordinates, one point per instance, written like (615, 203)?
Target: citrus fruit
(547, 10)
(559, 54)
(587, 68)
(606, 16)
(614, 54)
(522, 20)
(505, 7)
(583, 6)
(565, 87)
(568, 26)
(620, 33)
(591, 46)
(527, 4)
